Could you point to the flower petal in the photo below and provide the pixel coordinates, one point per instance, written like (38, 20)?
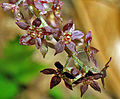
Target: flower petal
(22, 25)
(102, 80)
(80, 80)
(95, 86)
(67, 84)
(44, 48)
(68, 26)
(93, 60)
(94, 50)
(49, 1)
(75, 72)
(39, 5)
(7, 6)
(26, 40)
(48, 71)
(13, 1)
(68, 75)
(103, 71)
(59, 65)
(29, 2)
(89, 73)
(83, 89)
(72, 47)
(88, 37)
(47, 30)
(55, 81)
(97, 76)
(86, 51)
(38, 42)
(17, 13)
(77, 35)
(59, 47)
(36, 22)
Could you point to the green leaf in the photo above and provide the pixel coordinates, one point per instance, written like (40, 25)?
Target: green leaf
(8, 89)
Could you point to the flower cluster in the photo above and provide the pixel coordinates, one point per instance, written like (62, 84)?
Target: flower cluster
(36, 35)
(43, 23)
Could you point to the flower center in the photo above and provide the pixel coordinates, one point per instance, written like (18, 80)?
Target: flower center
(67, 37)
(34, 32)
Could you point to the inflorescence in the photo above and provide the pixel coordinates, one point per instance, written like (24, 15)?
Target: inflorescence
(42, 23)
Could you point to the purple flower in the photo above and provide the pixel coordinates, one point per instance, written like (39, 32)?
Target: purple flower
(67, 37)
(35, 35)
(42, 5)
(90, 51)
(56, 7)
(14, 8)
(58, 75)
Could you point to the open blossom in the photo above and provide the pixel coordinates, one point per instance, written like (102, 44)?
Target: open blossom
(89, 79)
(42, 5)
(58, 75)
(35, 35)
(12, 6)
(67, 37)
(90, 51)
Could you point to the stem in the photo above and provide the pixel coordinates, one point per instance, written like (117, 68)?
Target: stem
(81, 64)
(44, 23)
(67, 61)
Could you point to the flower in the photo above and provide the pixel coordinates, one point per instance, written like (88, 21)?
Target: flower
(86, 80)
(56, 7)
(42, 5)
(58, 75)
(12, 6)
(90, 51)
(35, 35)
(67, 37)
(89, 78)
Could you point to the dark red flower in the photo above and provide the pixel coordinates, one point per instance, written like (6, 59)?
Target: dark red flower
(35, 35)
(58, 75)
(90, 51)
(89, 77)
(67, 37)
(86, 80)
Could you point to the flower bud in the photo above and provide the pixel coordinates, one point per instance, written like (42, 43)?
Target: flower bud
(37, 22)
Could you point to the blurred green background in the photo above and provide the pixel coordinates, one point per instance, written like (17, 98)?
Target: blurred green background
(17, 69)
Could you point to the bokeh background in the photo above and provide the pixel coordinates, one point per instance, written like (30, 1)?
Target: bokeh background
(20, 65)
